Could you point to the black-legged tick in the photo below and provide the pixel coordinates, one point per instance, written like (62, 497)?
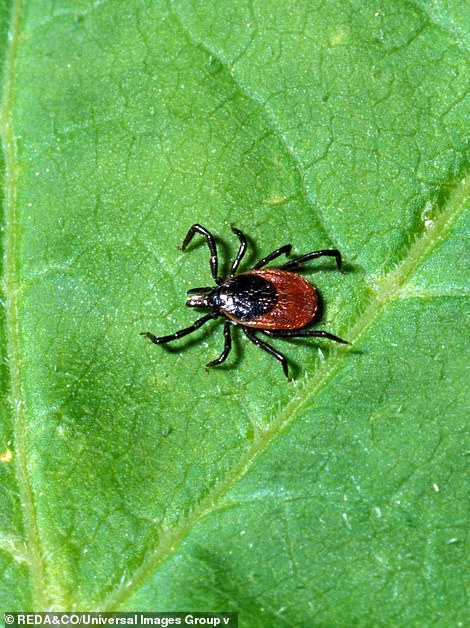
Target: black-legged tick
(275, 301)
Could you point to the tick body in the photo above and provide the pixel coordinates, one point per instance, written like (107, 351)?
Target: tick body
(268, 299)
(273, 301)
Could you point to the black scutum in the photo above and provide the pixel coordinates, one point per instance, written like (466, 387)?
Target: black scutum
(247, 296)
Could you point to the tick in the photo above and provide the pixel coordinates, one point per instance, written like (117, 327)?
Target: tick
(273, 301)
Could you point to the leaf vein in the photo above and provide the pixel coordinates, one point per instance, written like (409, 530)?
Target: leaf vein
(32, 549)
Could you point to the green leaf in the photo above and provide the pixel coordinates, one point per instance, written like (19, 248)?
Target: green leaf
(131, 476)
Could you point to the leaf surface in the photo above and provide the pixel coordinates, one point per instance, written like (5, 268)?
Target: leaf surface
(133, 478)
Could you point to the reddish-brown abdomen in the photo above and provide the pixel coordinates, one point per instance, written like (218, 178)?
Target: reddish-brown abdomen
(295, 306)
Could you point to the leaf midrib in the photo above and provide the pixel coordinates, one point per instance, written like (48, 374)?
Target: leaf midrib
(11, 286)
(388, 290)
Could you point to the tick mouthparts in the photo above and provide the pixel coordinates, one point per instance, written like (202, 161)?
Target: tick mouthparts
(198, 300)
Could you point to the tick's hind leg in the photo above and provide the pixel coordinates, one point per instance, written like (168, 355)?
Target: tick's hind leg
(227, 346)
(295, 263)
(182, 332)
(264, 345)
(283, 249)
(305, 333)
(214, 261)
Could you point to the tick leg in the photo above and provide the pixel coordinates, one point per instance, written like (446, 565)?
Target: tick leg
(283, 249)
(300, 260)
(295, 333)
(268, 348)
(227, 346)
(200, 290)
(179, 334)
(241, 250)
(212, 248)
